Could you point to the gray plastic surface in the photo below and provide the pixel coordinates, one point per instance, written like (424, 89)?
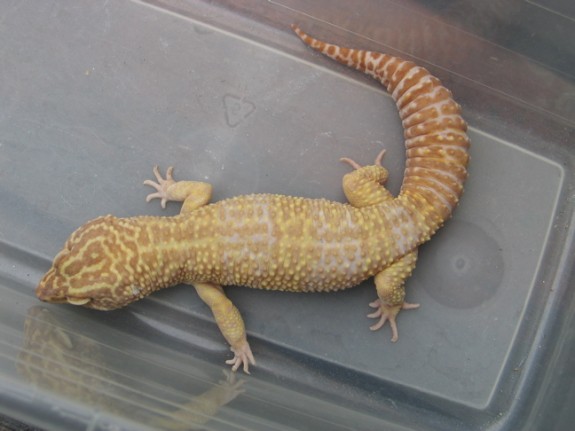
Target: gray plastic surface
(96, 93)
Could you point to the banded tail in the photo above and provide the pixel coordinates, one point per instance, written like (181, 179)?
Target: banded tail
(435, 133)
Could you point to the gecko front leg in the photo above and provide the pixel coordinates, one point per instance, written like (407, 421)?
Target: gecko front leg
(193, 194)
(230, 322)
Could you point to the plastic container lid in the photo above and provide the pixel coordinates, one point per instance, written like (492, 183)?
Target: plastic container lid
(93, 95)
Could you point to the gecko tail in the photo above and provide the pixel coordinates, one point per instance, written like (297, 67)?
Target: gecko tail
(349, 57)
(435, 133)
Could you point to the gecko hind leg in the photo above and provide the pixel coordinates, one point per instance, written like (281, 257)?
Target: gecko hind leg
(365, 186)
(230, 322)
(390, 288)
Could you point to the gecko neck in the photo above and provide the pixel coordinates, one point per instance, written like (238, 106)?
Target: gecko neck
(161, 250)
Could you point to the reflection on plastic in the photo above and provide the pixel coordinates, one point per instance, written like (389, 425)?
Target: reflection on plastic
(465, 268)
(56, 359)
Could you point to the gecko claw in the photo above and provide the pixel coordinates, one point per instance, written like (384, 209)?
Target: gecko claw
(242, 355)
(388, 313)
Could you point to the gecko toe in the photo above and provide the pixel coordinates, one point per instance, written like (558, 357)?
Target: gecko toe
(388, 313)
(356, 165)
(350, 162)
(242, 356)
(161, 185)
(379, 158)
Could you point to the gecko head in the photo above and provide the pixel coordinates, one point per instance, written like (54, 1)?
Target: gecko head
(91, 269)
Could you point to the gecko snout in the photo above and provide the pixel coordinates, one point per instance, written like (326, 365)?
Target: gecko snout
(49, 290)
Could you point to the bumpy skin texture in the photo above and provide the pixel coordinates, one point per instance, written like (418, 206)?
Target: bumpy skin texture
(281, 242)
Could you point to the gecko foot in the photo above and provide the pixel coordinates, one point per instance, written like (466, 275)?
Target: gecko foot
(242, 355)
(162, 185)
(389, 313)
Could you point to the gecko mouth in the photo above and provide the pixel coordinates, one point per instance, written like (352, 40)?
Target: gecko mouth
(47, 292)
(63, 299)
(78, 301)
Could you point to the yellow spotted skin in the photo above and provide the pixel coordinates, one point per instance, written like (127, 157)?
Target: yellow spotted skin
(277, 242)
